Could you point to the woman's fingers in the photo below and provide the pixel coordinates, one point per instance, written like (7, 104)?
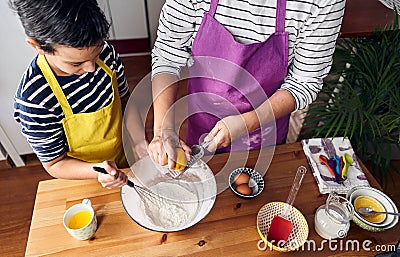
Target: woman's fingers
(157, 151)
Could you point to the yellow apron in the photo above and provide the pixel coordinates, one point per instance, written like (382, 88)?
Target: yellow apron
(95, 136)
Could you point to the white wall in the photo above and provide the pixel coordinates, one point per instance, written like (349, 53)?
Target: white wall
(154, 9)
(16, 55)
(128, 18)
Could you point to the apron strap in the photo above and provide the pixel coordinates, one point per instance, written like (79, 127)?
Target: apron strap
(55, 87)
(104, 67)
(110, 73)
(213, 7)
(280, 16)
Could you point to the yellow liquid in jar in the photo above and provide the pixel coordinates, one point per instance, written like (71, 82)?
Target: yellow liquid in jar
(79, 219)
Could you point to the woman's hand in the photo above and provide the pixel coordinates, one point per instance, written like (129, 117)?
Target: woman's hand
(162, 149)
(115, 177)
(225, 131)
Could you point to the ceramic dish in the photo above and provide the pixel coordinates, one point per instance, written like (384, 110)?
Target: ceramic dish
(256, 182)
(365, 201)
(299, 233)
(199, 180)
(390, 220)
(378, 196)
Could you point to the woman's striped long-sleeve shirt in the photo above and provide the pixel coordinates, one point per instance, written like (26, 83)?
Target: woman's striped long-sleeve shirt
(312, 25)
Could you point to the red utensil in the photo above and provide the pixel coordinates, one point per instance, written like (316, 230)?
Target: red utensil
(324, 160)
(281, 227)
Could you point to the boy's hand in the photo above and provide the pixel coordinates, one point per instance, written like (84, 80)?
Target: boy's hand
(115, 177)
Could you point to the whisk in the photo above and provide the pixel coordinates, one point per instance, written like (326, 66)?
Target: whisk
(144, 193)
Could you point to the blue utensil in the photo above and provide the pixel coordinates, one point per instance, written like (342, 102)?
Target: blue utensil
(337, 167)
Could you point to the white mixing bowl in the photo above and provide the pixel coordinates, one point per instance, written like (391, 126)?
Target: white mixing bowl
(199, 180)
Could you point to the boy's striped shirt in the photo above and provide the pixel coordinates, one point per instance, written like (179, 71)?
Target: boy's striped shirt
(39, 113)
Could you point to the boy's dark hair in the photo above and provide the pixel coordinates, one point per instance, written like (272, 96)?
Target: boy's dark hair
(73, 23)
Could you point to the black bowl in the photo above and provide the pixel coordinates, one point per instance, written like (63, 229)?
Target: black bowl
(256, 182)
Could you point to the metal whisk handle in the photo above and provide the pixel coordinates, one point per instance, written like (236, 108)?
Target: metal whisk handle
(99, 169)
(102, 170)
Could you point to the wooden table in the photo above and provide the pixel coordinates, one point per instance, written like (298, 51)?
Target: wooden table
(228, 230)
(362, 17)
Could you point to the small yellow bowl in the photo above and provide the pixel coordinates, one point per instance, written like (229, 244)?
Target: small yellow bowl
(299, 233)
(364, 201)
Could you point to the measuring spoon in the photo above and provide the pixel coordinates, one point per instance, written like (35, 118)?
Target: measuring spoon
(347, 160)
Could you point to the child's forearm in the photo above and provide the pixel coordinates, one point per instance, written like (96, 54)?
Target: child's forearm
(69, 168)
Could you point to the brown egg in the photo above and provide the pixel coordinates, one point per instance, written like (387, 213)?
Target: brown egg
(244, 189)
(241, 178)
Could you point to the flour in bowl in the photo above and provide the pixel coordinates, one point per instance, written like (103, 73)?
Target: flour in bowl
(176, 206)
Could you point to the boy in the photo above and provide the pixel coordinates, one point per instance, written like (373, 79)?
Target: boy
(69, 99)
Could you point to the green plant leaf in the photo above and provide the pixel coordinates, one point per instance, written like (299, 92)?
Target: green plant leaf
(365, 106)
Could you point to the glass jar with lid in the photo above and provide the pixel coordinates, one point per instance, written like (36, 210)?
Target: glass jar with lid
(332, 220)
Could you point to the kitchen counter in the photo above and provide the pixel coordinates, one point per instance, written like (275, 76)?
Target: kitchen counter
(228, 230)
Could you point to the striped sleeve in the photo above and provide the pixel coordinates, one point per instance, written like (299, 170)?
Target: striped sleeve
(174, 34)
(312, 25)
(42, 127)
(114, 62)
(313, 51)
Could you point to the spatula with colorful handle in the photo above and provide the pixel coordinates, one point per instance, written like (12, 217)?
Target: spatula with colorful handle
(281, 227)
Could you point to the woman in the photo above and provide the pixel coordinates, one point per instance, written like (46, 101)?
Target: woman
(286, 46)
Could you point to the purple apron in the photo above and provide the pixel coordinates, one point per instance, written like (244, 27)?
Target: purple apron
(228, 78)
